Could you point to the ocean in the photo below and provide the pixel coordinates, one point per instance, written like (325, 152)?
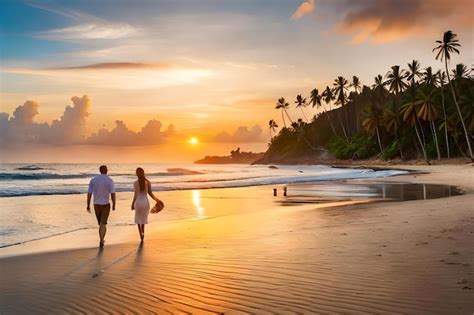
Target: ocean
(34, 202)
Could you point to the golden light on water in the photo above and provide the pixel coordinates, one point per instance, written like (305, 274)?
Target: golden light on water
(193, 140)
(196, 195)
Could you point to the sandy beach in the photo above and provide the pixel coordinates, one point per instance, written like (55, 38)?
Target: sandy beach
(410, 257)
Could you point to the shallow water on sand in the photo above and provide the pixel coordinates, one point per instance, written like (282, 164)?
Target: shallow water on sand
(326, 192)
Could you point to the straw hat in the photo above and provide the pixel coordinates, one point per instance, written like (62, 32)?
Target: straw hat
(157, 207)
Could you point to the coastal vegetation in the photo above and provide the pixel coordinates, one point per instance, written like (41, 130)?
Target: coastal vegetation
(235, 157)
(409, 113)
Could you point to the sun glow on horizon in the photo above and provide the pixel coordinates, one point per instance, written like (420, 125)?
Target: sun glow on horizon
(193, 141)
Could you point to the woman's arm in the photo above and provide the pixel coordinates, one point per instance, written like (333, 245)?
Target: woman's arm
(150, 192)
(134, 196)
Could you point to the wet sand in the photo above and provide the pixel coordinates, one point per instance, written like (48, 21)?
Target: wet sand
(414, 257)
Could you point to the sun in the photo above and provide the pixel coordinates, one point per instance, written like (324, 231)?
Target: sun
(193, 140)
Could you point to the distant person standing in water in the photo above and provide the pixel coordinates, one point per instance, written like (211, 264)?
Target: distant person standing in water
(142, 188)
(101, 186)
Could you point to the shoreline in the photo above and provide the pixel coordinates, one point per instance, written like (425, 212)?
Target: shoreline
(411, 256)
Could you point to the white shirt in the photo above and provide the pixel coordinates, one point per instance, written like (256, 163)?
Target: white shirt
(101, 187)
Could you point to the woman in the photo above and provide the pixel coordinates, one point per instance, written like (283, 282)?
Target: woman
(140, 203)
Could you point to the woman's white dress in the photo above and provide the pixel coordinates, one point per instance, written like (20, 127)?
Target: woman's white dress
(142, 206)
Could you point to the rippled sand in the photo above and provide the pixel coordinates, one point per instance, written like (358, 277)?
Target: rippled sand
(412, 257)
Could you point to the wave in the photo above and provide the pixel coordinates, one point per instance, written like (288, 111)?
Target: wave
(211, 183)
(8, 176)
(31, 167)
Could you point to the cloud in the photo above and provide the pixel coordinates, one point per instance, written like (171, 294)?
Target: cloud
(103, 30)
(122, 75)
(381, 21)
(115, 65)
(305, 8)
(70, 129)
(88, 27)
(150, 134)
(242, 134)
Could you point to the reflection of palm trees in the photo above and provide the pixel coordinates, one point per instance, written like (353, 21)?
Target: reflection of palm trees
(300, 103)
(444, 49)
(283, 105)
(395, 80)
(315, 101)
(272, 125)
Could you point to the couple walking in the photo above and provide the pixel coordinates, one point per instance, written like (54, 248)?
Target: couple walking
(102, 188)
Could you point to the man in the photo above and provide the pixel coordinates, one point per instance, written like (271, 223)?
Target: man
(101, 186)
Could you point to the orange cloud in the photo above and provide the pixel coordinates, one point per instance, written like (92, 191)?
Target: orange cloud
(305, 8)
(116, 65)
(385, 21)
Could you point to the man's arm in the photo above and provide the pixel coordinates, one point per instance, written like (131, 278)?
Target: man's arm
(113, 200)
(89, 195)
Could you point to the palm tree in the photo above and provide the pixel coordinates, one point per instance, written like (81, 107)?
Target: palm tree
(414, 71)
(328, 96)
(426, 100)
(461, 71)
(444, 49)
(356, 84)
(272, 125)
(300, 103)
(429, 78)
(283, 105)
(395, 80)
(391, 120)
(409, 115)
(357, 88)
(340, 88)
(371, 123)
(441, 80)
(315, 101)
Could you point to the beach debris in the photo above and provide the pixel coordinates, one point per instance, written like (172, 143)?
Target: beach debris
(466, 288)
(273, 167)
(95, 275)
(462, 281)
(343, 233)
(453, 252)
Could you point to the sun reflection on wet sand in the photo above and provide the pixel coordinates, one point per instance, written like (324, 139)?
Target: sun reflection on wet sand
(196, 194)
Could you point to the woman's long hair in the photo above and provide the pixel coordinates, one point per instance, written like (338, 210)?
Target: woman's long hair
(141, 178)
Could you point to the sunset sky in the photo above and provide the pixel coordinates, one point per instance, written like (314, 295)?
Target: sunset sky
(143, 77)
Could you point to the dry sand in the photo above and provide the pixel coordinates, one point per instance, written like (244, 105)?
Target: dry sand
(414, 257)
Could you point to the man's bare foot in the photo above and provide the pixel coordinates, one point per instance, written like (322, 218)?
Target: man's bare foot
(101, 244)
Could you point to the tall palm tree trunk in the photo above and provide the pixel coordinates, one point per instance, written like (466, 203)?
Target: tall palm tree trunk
(378, 138)
(435, 137)
(329, 120)
(445, 118)
(398, 144)
(466, 134)
(421, 143)
(304, 115)
(287, 115)
(283, 117)
(342, 126)
(421, 130)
